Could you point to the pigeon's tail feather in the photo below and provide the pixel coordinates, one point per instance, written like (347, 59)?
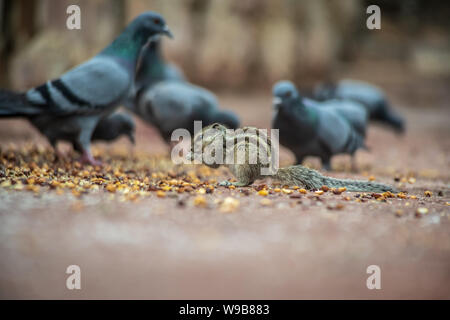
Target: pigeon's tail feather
(14, 104)
(395, 121)
(391, 118)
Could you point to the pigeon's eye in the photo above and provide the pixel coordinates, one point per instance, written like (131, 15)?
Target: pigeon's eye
(157, 21)
(288, 94)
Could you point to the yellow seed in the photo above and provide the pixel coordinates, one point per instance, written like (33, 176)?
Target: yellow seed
(111, 188)
(286, 191)
(232, 187)
(319, 192)
(371, 178)
(160, 194)
(277, 190)
(428, 193)
(200, 201)
(411, 180)
(342, 189)
(303, 191)
(263, 193)
(413, 197)
(399, 213)
(401, 195)
(54, 184)
(201, 191)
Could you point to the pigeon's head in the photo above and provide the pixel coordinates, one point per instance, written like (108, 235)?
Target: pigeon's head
(124, 125)
(150, 24)
(285, 94)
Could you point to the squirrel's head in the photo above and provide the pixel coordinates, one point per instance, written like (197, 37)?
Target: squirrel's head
(285, 94)
(206, 143)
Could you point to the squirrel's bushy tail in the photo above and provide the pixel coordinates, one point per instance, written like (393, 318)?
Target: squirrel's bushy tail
(312, 179)
(13, 104)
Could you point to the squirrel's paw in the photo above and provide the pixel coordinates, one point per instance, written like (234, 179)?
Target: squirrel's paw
(225, 183)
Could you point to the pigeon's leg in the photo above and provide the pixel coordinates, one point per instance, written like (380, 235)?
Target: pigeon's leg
(84, 142)
(88, 158)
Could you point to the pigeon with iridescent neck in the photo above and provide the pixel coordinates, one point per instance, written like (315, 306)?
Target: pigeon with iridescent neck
(70, 107)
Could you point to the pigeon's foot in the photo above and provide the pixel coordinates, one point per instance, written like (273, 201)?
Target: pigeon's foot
(87, 158)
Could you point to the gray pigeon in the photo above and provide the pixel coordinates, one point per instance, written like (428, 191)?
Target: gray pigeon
(312, 130)
(354, 112)
(168, 102)
(69, 108)
(367, 94)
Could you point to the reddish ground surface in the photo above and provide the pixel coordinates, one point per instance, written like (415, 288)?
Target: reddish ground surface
(295, 248)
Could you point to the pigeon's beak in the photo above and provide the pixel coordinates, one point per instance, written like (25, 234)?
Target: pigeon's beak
(167, 32)
(132, 138)
(277, 102)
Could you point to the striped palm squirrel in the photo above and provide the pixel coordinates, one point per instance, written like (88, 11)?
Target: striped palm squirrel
(221, 145)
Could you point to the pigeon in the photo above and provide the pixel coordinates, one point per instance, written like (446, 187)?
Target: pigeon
(352, 111)
(368, 95)
(169, 102)
(70, 107)
(312, 130)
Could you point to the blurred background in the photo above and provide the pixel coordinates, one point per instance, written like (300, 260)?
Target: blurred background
(238, 49)
(241, 44)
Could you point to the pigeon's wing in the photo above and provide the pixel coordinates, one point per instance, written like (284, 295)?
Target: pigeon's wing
(333, 131)
(89, 88)
(171, 105)
(352, 111)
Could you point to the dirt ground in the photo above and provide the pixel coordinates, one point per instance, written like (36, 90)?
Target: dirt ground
(163, 244)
